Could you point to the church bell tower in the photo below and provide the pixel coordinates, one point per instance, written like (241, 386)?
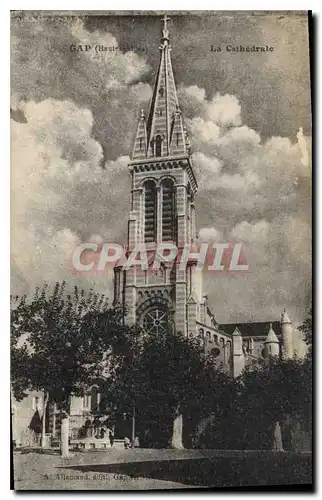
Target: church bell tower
(162, 210)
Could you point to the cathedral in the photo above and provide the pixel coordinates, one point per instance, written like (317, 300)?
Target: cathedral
(163, 211)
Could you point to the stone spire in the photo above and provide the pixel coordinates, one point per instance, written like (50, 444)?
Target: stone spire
(140, 143)
(163, 129)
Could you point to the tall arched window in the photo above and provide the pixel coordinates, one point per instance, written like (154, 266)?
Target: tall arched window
(150, 211)
(168, 211)
(158, 145)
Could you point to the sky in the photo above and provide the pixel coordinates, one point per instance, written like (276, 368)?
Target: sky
(73, 123)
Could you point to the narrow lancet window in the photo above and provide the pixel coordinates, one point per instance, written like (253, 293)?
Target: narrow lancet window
(150, 211)
(158, 145)
(168, 211)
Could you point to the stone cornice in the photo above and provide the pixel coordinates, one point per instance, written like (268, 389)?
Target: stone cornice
(165, 163)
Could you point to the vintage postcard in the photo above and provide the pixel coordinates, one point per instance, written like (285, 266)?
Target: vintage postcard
(161, 195)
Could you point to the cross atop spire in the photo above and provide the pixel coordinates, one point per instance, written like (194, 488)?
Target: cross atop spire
(165, 31)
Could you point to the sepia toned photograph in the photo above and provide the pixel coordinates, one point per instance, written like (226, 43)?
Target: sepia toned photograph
(161, 250)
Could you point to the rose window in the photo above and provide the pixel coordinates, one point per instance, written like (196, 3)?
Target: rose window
(155, 321)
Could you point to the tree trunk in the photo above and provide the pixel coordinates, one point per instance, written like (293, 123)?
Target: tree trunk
(133, 426)
(64, 436)
(202, 429)
(43, 428)
(176, 441)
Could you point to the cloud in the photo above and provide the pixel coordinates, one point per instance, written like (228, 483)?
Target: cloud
(194, 92)
(192, 99)
(59, 193)
(74, 114)
(273, 90)
(255, 191)
(224, 110)
(209, 234)
(251, 233)
(242, 134)
(204, 131)
(109, 83)
(207, 170)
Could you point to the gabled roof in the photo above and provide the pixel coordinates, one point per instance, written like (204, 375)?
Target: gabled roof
(191, 300)
(258, 329)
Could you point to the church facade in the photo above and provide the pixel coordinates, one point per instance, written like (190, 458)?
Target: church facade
(163, 212)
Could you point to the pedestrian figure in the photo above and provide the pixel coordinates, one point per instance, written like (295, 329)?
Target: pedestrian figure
(136, 443)
(96, 427)
(82, 432)
(88, 428)
(111, 436)
(127, 443)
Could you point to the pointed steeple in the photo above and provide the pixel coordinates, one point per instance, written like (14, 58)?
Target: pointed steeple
(285, 318)
(140, 143)
(178, 135)
(164, 126)
(271, 336)
(271, 344)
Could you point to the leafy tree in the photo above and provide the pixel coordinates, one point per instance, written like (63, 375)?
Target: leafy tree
(173, 386)
(19, 355)
(275, 390)
(64, 343)
(306, 328)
